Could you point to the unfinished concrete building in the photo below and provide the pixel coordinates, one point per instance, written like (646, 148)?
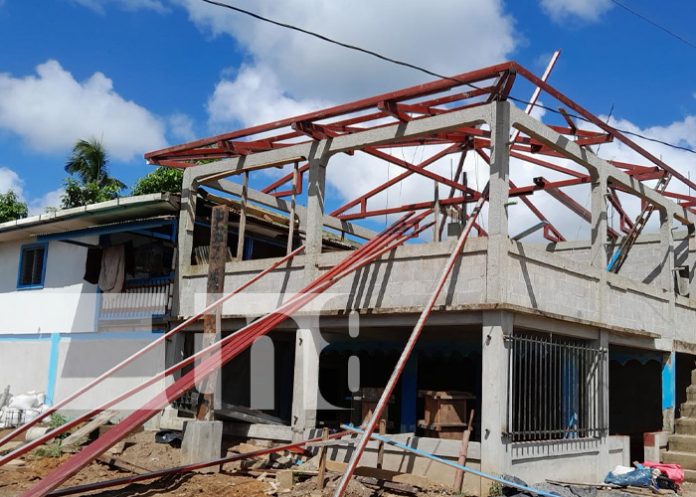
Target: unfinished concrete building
(570, 350)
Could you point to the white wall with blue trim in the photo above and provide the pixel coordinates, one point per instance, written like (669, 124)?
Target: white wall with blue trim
(63, 302)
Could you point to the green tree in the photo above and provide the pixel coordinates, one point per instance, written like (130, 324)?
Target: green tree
(161, 180)
(11, 207)
(90, 181)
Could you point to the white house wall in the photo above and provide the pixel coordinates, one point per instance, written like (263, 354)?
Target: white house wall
(65, 304)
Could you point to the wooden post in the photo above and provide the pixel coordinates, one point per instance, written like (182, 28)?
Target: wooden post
(380, 449)
(463, 450)
(293, 203)
(242, 217)
(322, 457)
(219, 223)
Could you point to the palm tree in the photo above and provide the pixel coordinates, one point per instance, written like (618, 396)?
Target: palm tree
(89, 162)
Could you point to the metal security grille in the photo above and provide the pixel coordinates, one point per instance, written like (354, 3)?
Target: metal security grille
(555, 389)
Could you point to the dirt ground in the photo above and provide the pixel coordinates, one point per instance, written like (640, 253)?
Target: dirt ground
(142, 454)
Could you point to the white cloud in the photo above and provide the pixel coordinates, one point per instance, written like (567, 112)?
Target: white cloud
(586, 10)
(49, 199)
(10, 180)
(255, 97)
(446, 36)
(51, 110)
(181, 127)
(132, 5)
(289, 73)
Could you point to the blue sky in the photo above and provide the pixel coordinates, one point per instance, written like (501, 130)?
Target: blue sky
(141, 74)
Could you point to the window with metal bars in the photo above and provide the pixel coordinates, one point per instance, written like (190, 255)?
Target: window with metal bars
(555, 389)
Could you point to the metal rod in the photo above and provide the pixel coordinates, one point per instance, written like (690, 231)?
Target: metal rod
(452, 464)
(406, 353)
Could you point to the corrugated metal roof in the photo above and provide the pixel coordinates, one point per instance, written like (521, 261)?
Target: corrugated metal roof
(113, 211)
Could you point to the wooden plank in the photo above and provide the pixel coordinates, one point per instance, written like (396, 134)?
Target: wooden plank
(75, 437)
(380, 449)
(463, 452)
(219, 223)
(322, 458)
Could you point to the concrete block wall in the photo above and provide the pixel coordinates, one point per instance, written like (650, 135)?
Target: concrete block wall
(406, 280)
(534, 278)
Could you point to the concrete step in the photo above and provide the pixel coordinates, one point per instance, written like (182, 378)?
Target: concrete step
(685, 426)
(687, 460)
(690, 475)
(682, 443)
(691, 393)
(693, 376)
(688, 409)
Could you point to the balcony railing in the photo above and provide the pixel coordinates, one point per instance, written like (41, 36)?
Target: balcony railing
(140, 299)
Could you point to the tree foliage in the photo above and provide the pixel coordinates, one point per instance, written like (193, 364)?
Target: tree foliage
(90, 181)
(11, 207)
(161, 180)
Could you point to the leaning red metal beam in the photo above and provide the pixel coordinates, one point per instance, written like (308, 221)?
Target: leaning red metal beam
(357, 259)
(81, 391)
(213, 348)
(406, 353)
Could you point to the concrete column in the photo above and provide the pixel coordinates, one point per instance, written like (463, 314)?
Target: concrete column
(305, 393)
(315, 213)
(498, 194)
(602, 379)
(666, 250)
(669, 364)
(600, 189)
(498, 188)
(495, 454)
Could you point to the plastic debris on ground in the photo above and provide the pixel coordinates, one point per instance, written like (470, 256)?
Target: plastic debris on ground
(22, 408)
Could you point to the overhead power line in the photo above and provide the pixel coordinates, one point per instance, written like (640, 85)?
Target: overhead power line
(433, 73)
(658, 26)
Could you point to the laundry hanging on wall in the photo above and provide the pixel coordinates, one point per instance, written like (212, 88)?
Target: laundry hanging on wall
(113, 269)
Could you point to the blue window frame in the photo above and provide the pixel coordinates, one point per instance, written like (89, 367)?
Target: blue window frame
(32, 266)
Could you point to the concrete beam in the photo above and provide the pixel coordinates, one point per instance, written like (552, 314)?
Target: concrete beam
(595, 164)
(345, 143)
(282, 205)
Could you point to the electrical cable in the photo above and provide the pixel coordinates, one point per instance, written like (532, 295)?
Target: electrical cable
(441, 76)
(655, 24)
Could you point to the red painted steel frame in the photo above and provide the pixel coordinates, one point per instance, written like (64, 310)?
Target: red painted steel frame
(370, 251)
(414, 103)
